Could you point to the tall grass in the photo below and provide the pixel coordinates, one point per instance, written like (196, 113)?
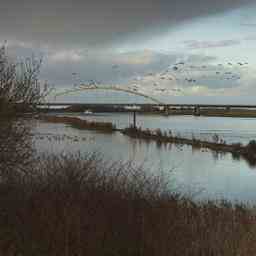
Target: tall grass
(82, 205)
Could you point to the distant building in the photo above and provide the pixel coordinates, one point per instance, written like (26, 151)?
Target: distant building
(159, 108)
(134, 107)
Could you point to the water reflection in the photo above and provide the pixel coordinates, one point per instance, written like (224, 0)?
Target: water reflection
(231, 130)
(215, 175)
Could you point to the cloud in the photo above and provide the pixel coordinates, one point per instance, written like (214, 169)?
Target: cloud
(194, 44)
(66, 56)
(151, 71)
(197, 75)
(248, 24)
(86, 23)
(105, 67)
(250, 38)
(136, 58)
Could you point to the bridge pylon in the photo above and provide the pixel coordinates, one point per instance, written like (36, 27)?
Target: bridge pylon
(166, 110)
(197, 111)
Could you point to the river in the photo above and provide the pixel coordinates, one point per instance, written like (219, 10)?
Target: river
(201, 173)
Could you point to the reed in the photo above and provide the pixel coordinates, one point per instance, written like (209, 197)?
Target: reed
(82, 205)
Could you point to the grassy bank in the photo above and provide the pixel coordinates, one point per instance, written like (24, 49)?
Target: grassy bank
(79, 123)
(248, 152)
(76, 205)
(250, 113)
(215, 112)
(228, 113)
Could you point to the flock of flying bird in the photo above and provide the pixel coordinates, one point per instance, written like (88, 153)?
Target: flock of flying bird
(220, 71)
(183, 73)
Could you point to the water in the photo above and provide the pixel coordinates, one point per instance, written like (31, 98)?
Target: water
(232, 130)
(202, 173)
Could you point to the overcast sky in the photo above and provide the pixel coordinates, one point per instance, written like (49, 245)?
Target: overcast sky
(175, 50)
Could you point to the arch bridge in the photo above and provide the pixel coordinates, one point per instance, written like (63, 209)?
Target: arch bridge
(85, 87)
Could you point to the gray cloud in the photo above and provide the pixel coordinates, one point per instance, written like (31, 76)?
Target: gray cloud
(248, 24)
(141, 67)
(207, 74)
(105, 68)
(194, 44)
(96, 23)
(250, 38)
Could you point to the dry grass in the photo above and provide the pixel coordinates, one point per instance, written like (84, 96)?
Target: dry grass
(15, 145)
(76, 205)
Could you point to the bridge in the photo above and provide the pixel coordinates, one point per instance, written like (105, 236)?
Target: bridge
(178, 105)
(90, 87)
(166, 108)
(155, 102)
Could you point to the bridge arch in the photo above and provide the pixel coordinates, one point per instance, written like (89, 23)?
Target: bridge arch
(108, 87)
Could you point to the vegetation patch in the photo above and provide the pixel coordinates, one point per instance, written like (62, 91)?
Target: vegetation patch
(82, 205)
(80, 124)
(248, 152)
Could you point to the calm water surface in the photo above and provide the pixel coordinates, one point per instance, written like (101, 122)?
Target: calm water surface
(203, 173)
(230, 129)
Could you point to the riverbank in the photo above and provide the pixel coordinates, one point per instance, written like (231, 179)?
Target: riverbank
(248, 152)
(214, 112)
(74, 205)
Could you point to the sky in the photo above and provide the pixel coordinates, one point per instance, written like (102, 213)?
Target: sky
(178, 51)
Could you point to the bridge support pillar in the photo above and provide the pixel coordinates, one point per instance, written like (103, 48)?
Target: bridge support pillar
(166, 110)
(197, 111)
(134, 120)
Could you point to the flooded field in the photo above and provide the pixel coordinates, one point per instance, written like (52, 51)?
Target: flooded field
(232, 130)
(201, 173)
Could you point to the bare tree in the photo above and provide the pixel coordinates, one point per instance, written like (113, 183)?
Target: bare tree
(19, 82)
(20, 89)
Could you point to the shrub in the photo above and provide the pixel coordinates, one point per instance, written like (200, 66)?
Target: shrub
(252, 145)
(215, 138)
(159, 133)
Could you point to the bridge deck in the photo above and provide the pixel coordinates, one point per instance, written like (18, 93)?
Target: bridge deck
(143, 104)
